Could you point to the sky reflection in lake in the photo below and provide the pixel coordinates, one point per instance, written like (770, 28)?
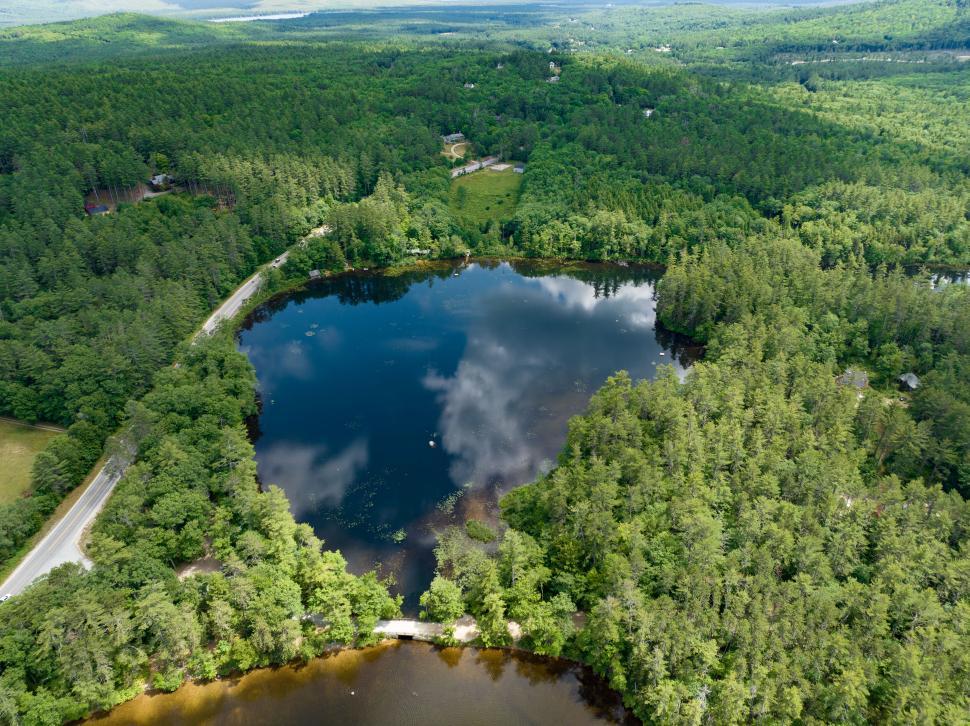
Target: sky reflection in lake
(360, 373)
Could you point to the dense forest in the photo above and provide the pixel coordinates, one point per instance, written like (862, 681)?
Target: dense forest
(758, 542)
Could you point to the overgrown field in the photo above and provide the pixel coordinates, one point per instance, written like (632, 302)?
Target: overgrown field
(485, 196)
(19, 446)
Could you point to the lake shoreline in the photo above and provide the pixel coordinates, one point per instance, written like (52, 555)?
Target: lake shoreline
(595, 691)
(534, 337)
(249, 314)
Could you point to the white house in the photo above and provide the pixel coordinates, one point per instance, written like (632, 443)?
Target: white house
(466, 169)
(160, 180)
(474, 166)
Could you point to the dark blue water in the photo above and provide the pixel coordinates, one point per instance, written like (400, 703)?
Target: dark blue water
(394, 405)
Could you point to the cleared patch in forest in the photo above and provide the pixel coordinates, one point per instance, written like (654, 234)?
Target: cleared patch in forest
(19, 445)
(456, 151)
(111, 198)
(485, 195)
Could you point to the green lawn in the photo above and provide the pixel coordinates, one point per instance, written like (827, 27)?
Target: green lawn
(19, 444)
(488, 195)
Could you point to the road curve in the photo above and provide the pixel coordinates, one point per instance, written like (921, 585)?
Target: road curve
(62, 543)
(234, 302)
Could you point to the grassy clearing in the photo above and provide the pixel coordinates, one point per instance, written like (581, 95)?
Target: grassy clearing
(456, 151)
(19, 445)
(485, 195)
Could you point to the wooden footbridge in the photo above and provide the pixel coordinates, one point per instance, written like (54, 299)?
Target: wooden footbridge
(464, 630)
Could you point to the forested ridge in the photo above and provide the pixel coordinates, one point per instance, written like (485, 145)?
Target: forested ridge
(759, 542)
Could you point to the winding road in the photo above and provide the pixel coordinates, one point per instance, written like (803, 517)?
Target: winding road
(234, 302)
(62, 543)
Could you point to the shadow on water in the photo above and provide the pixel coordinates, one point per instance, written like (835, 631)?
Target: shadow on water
(685, 351)
(396, 404)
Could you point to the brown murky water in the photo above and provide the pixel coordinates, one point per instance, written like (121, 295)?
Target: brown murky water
(396, 683)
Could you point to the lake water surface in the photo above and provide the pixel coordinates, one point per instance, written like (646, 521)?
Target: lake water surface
(395, 683)
(393, 405)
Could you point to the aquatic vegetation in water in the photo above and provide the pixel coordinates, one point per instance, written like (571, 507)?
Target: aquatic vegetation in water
(448, 504)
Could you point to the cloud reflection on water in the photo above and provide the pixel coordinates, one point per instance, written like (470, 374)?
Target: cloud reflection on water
(505, 410)
(490, 365)
(313, 479)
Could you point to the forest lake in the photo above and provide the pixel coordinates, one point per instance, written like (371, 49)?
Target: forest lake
(396, 404)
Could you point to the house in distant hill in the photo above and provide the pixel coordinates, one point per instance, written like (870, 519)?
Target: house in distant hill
(454, 138)
(908, 381)
(648, 112)
(474, 166)
(854, 378)
(552, 79)
(519, 168)
(469, 85)
(159, 181)
(96, 210)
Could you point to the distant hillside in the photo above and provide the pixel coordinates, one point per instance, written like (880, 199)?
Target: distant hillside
(692, 33)
(890, 25)
(111, 35)
(26, 12)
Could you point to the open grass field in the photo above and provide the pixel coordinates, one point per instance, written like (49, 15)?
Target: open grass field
(19, 444)
(485, 195)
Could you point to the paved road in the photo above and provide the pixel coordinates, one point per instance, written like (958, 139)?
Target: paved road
(232, 305)
(61, 544)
